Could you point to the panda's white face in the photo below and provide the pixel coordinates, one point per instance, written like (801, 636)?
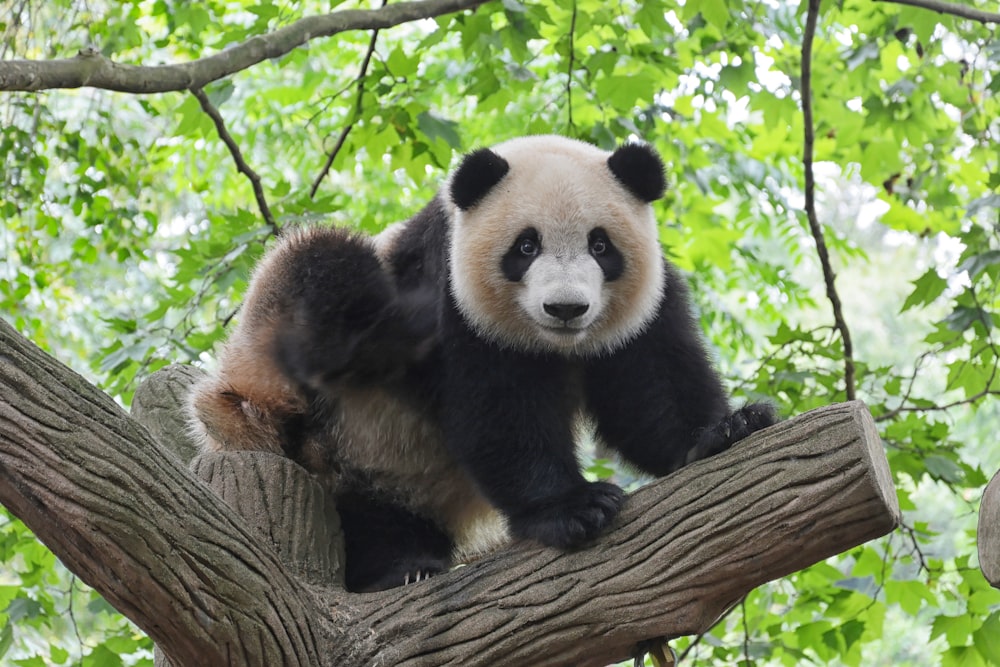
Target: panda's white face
(557, 256)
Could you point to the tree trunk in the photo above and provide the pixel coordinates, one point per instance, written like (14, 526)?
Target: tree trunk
(250, 580)
(989, 532)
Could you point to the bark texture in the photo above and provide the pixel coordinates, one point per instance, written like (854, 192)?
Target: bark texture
(246, 580)
(157, 405)
(989, 532)
(92, 69)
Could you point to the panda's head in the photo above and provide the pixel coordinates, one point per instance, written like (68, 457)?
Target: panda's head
(554, 245)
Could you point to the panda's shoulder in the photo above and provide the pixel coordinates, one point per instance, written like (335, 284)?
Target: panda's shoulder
(414, 250)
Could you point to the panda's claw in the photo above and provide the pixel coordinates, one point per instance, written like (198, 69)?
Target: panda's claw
(416, 576)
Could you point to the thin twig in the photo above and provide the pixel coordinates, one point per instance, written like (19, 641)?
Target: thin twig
(701, 635)
(746, 630)
(968, 400)
(241, 164)
(569, 67)
(954, 9)
(810, 194)
(362, 73)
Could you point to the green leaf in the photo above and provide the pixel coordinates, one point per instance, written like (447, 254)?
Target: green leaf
(6, 638)
(926, 289)
(22, 608)
(102, 656)
(716, 12)
(956, 629)
(435, 127)
(401, 65)
(962, 656)
(976, 264)
(987, 639)
(910, 595)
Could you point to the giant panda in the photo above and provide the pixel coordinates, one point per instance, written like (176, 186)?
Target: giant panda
(441, 373)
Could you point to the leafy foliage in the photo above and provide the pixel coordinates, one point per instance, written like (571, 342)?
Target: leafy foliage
(129, 235)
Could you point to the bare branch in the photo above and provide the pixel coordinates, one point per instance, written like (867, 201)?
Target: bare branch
(954, 9)
(91, 69)
(241, 164)
(810, 195)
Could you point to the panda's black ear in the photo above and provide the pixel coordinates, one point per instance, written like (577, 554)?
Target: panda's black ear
(479, 172)
(639, 169)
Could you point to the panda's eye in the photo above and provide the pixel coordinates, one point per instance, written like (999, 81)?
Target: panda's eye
(527, 247)
(599, 243)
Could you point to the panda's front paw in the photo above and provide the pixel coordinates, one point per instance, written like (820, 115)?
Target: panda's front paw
(572, 519)
(733, 428)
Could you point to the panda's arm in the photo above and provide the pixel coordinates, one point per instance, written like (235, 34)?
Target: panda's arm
(507, 419)
(659, 401)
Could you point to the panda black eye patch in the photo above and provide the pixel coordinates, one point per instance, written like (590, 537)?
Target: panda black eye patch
(526, 247)
(605, 254)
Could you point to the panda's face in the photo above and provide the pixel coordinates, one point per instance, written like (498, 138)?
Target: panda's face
(551, 250)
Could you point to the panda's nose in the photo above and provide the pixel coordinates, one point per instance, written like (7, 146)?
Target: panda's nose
(566, 311)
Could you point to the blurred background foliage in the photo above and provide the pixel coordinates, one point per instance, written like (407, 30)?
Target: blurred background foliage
(128, 235)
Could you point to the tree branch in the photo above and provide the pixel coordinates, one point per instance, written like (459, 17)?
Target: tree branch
(127, 516)
(91, 69)
(954, 9)
(815, 228)
(122, 514)
(241, 163)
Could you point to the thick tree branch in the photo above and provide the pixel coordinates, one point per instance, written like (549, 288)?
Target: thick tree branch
(952, 8)
(129, 518)
(989, 532)
(815, 228)
(241, 163)
(125, 516)
(90, 68)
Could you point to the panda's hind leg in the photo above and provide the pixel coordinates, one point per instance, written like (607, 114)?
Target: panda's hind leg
(387, 545)
(345, 320)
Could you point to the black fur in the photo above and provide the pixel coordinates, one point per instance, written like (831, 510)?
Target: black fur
(640, 170)
(476, 176)
(507, 419)
(662, 389)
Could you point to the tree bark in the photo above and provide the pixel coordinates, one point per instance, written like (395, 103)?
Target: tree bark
(92, 69)
(989, 532)
(163, 548)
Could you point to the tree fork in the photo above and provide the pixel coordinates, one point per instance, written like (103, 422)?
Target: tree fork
(129, 518)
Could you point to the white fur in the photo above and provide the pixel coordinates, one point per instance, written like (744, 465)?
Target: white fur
(564, 189)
